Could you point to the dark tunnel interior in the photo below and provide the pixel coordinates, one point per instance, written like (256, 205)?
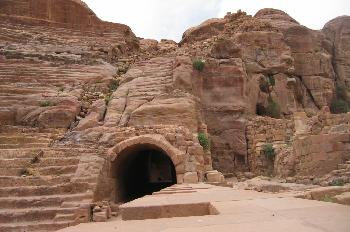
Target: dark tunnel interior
(143, 172)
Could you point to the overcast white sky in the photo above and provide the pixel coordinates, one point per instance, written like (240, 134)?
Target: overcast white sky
(168, 19)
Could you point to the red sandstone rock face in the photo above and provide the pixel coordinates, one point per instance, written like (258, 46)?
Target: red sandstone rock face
(73, 14)
(81, 53)
(67, 13)
(53, 54)
(310, 51)
(337, 31)
(270, 43)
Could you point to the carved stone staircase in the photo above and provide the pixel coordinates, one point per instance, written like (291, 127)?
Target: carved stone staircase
(40, 189)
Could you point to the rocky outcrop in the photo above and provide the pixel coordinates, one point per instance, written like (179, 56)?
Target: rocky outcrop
(337, 31)
(311, 54)
(301, 61)
(63, 13)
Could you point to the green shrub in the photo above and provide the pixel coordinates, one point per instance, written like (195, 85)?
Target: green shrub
(204, 141)
(264, 85)
(337, 182)
(266, 82)
(35, 160)
(28, 172)
(108, 98)
(273, 109)
(339, 106)
(341, 92)
(46, 103)
(327, 198)
(269, 151)
(198, 64)
(272, 81)
(61, 89)
(114, 85)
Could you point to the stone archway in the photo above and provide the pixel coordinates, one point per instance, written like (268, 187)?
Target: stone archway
(144, 164)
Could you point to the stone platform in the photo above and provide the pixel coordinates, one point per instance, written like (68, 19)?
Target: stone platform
(224, 209)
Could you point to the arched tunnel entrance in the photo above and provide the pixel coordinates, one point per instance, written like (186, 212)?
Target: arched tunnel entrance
(142, 170)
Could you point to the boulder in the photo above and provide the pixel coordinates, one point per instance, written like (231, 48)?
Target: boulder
(215, 176)
(190, 178)
(95, 115)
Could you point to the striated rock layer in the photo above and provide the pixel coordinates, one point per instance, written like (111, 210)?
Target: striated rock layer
(81, 99)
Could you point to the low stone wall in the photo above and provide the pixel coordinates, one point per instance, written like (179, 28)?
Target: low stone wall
(263, 130)
(304, 146)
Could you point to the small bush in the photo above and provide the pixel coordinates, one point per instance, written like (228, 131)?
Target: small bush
(269, 151)
(108, 98)
(272, 80)
(339, 106)
(327, 198)
(273, 109)
(204, 141)
(114, 85)
(61, 89)
(46, 103)
(24, 172)
(35, 160)
(264, 85)
(337, 182)
(198, 64)
(28, 172)
(341, 92)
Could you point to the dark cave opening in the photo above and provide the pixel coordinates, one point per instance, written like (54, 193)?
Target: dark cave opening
(142, 172)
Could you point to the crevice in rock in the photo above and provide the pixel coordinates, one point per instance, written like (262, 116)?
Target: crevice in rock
(308, 91)
(125, 105)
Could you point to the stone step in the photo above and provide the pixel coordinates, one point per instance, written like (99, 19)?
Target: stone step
(32, 214)
(42, 201)
(35, 226)
(48, 152)
(26, 145)
(69, 188)
(42, 171)
(15, 181)
(64, 217)
(337, 171)
(15, 130)
(41, 162)
(344, 166)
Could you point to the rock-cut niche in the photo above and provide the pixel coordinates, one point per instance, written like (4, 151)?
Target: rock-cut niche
(141, 170)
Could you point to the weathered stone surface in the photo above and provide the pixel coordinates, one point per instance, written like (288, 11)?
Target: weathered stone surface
(337, 31)
(343, 198)
(215, 176)
(190, 177)
(204, 31)
(95, 115)
(166, 111)
(310, 51)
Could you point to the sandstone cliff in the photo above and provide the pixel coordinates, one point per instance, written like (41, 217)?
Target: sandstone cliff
(242, 51)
